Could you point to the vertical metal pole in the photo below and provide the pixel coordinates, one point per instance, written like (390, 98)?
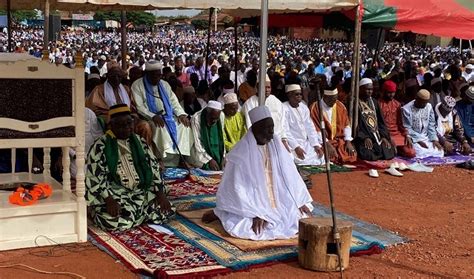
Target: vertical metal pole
(356, 71)
(354, 66)
(215, 20)
(237, 64)
(470, 45)
(9, 25)
(208, 46)
(263, 52)
(46, 31)
(460, 46)
(335, 232)
(123, 29)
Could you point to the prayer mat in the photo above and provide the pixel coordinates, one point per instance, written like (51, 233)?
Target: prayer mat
(447, 160)
(175, 173)
(190, 188)
(231, 256)
(310, 170)
(194, 202)
(147, 251)
(243, 244)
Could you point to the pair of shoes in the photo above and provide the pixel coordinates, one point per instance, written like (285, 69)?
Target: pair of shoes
(373, 173)
(419, 167)
(24, 196)
(393, 171)
(399, 165)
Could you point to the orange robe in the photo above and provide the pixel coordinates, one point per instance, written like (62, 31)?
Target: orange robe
(337, 140)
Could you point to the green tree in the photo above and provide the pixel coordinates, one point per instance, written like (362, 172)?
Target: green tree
(106, 15)
(21, 15)
(138, 18)
(200, 23)
(141, 18)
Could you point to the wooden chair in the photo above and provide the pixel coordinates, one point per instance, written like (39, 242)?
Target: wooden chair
(42, 106)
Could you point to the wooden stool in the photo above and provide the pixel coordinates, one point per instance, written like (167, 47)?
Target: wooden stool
(317, 249)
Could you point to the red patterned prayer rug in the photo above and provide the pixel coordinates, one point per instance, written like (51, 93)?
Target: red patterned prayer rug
(191, 188)
(144, 250)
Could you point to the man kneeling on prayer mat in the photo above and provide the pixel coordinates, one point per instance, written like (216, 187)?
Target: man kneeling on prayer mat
(392, 114)
(372, 139)
(419, 120)
(157, 103)
(123, 185)
(261, 195)
(449, 127)
(113, 92)
(338, 129)
(207, 125)
(234, 122)
(304, 141)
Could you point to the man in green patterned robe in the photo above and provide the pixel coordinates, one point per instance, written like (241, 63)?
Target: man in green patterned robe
(123, 186)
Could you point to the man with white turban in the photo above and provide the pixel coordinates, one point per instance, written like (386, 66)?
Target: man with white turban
(276, 108)
(208, 129)
(304, 141)
(419, 120)
(157, 103)
(269, 203)
(234, 122)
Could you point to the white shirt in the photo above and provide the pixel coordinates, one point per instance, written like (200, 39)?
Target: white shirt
(327, 110)
(276, 109)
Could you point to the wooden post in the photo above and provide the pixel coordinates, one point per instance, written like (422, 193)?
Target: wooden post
(316, 245)
(123, 29)
(46, 31)
(354, 115)
(237, 62)
(208, 46)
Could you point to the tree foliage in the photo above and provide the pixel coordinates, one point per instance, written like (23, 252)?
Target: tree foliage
(200, 23)
(21, 15)
(138, 18)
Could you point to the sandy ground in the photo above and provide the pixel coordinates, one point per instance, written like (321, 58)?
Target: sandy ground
(434, 210)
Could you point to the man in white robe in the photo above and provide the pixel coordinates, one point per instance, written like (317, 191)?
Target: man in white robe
(304, 141)
(261, 195)
(157, 103)
(276, 109)
(420, 122)
(208, 150)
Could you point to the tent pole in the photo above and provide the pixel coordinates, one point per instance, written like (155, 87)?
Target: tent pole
(354, 64)
(470, 44)
(208, 46)
(263, 52)
(46, 31)
(215, 20)
(9, 25)
(356, 71)
(460, 46)
(123, 31)
(237, 64)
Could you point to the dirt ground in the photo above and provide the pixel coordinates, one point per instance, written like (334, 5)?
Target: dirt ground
(436, 211)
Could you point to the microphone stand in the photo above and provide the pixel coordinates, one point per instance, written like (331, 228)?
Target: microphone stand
(335, 233)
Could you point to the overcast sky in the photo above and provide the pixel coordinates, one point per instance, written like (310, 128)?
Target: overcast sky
(174, 13)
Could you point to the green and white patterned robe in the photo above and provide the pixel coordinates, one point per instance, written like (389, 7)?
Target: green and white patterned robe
(137, 206)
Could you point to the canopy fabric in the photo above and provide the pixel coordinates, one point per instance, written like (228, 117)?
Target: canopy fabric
(445, 18)
(236, 8)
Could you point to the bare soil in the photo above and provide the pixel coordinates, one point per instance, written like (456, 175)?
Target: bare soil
(436, 211)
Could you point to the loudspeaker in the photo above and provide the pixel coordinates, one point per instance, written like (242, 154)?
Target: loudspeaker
(54, 27)
(375, 38)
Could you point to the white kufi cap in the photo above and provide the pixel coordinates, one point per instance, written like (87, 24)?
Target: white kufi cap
(259, 113)
(230, 98)
(214, 105)
(365, 81)
(292, 87)
(330, 92)
(153, 65)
